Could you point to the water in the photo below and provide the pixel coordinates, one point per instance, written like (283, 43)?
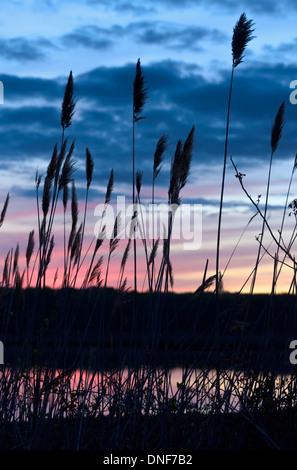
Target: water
(67, 393)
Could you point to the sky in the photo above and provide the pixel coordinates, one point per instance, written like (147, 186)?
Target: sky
(185, 51)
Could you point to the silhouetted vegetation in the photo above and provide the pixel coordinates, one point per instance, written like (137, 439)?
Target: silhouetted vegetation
(93, 367)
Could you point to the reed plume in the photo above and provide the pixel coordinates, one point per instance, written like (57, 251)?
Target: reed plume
(68, 104)
(6, 269)
(180, 167)
(49, 254)
(30, 248)
(68, 167)
(3, 212)
(75, 248)
(74, 216)
(109, 188)
(46, 196)
(154, 251)
(89, 167)
(16, 258)
(242, 35)
(139, 93)
(52, 166)
(277, 127)
(60, 159)
(139, 175)
(159, 155)
(96, 272)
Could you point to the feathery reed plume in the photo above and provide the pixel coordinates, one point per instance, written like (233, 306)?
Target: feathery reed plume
(3, 212)
(37, 180)
(75, 249)
(60, 159)
(159, 155)
(5, 275)
(68, 167)
(74, 205)
(139, 175)
(186, 158)
(49, 254)
(154, 251)
(295, 163)
(16, 258)
(46, 197)
(96, 272)
(174, 173)
(139, 93)
(123, 288)
(206, 284)
(74, 215)
(277, 127)
(89, 167)
(100, 239)
(30, 248)
(170, 271)
(65, 201)
(114, 241)
(52, 166)
(50, 176)
(180, 167)
(109, 188)
(242, 35)
(68, 104)
(125, 255)
(42, 232)
(55, 277)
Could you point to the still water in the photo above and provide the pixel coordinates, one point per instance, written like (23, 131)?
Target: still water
(145, 390)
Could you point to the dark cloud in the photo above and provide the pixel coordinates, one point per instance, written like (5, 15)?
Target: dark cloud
(282, 49)
(173, 35)
(123, 6)
(176, 101)
(23, 50)
(90, 36)
(21, 88)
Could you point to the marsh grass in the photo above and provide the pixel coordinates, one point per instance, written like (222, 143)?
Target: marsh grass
(90, 367)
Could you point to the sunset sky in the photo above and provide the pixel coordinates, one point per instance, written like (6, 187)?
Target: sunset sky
(185, 52)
